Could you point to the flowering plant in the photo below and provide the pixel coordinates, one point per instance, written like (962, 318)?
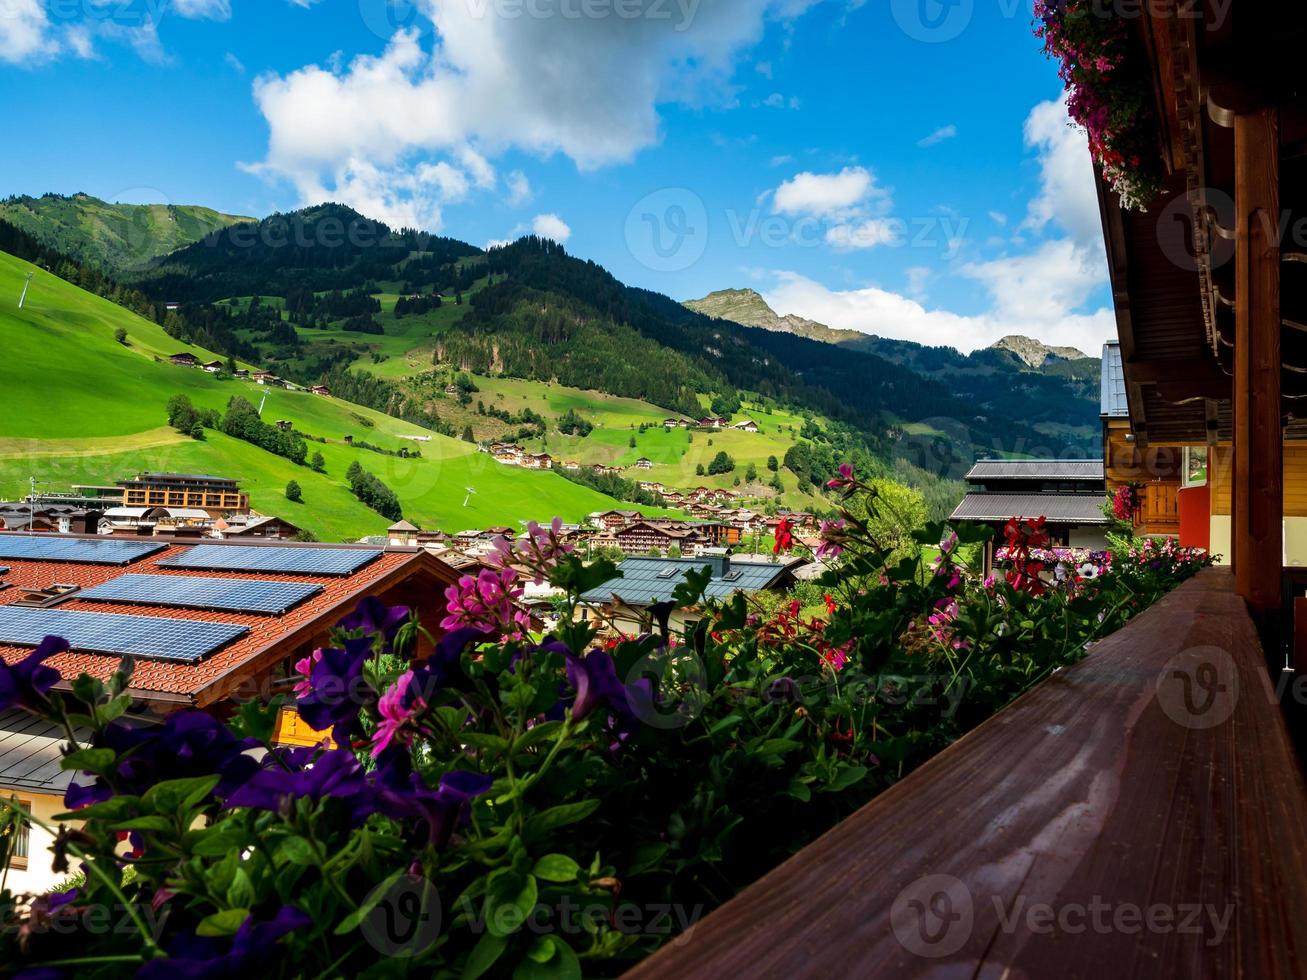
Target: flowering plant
(497, 803)
(1107, 93)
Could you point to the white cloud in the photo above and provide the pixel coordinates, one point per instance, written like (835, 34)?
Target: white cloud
(887, 314)
(203, 9)
(497, 243)
(589, 88)
(235, 63)
(918, 276)
(939, 135)
(1068, 196)
(998, 217)
(551, 226)
(827, 195)
(780, 160)
(519, 188)
(764, 68)
(25, 32)
(865, 234)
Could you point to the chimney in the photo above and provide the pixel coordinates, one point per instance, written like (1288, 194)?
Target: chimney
(719, 560)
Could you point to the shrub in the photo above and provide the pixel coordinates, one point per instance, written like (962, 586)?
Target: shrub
(293, 492)
(544, 789)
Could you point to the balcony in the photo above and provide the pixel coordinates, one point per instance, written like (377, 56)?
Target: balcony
(1140, 814)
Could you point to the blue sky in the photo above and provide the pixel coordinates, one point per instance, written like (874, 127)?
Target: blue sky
(901, 167)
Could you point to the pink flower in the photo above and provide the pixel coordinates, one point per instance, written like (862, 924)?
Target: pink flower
(540, 550)
(832, 539)
(304, 667)
(395, 715)
(844, 479)
(486, 602)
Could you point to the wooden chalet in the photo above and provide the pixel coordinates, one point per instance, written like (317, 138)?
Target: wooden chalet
(1158, 774)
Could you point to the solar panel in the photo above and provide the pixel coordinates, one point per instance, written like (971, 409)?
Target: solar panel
(285, 559)
(181, 640)
(235, 595)
(88, 551)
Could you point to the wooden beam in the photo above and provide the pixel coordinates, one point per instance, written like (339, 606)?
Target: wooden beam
(1258, 530)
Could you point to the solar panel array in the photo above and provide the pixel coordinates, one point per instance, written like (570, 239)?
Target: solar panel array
(88, 551)
(181, 640)
(286, 560)
(233, 595)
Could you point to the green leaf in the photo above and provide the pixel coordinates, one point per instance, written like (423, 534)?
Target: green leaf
(178, 795)
(556, 867)
(562, 963)
(98, 761)
(484, 954)
(799, 790)
(113, 809)
(690, 590)
(558, 816)
(240, 894)
(484, 740)
(510, 898)
(217, 841)
(845, 778)
(145, 823)
(778, 746)
(647, 856)
(224, 923)
(296, 850)
(353, 920)
(730, 721)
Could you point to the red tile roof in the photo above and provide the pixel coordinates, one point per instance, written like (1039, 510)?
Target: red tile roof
(270, 638)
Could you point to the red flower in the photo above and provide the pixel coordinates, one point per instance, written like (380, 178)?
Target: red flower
(784, 536)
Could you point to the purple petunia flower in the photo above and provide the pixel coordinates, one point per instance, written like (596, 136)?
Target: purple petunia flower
(374, 617)
(337, 690)
(188, 743)
(26, 683)
(252, 949)
(442, 809)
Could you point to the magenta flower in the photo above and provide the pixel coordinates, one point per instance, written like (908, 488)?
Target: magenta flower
(844, 479)
(832, 539)
(486, 603)
(540, 550)
(396, 715)
(304, 668)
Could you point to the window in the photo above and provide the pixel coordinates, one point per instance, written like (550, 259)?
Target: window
(15, 830)
(1194, 471)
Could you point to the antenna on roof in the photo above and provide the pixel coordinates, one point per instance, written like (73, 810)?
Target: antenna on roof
(470, 491)
(26, 282)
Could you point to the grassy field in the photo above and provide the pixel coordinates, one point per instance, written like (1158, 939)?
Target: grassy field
(82, 408)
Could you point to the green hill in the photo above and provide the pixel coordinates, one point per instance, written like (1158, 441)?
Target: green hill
(83, 408)
(118, 237)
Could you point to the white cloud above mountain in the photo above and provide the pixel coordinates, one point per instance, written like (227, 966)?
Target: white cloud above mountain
(588, 88)
(1044, 289)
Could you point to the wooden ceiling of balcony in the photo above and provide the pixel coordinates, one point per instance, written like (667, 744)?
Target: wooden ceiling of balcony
(1172, 266)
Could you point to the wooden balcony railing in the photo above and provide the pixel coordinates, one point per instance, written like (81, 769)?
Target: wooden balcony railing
(1140, 814)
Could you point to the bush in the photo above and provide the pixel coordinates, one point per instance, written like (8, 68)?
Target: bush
(293, 492)
(721, 463)
(372, 492)
(525, 781)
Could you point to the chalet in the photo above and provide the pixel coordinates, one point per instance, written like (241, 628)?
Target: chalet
(285, 425)
(217, 495)
(604, 470)
(241, 374)
(643, 537)
(676, 423)
(250, 656)
(213, 367)
(572, 464)
(322, 390)
(644, 463)
(184, 359)
(748, 425)
(265, 378)
(624, 601)
(713, 423)
(245, 526)
(537, 461)
(651, 486)
(613, 520)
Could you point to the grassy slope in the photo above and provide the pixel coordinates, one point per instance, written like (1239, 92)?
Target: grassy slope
(80, 408)
(122, 236)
